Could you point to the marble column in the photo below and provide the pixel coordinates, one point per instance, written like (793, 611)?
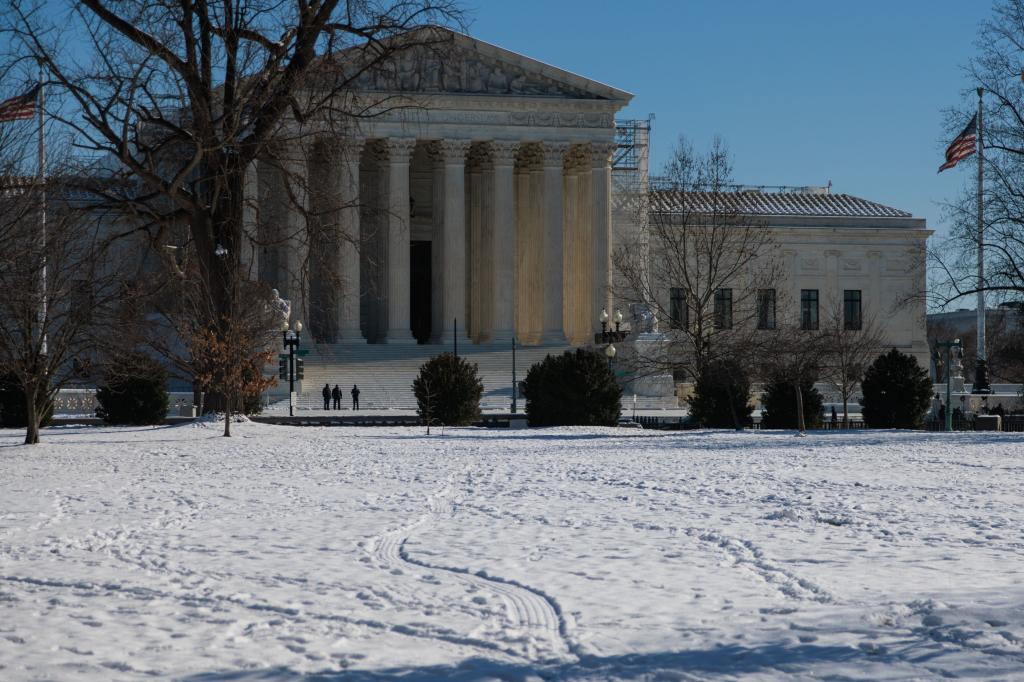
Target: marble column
(294, 195)
(474, 232)
(452, 154)
(503, 241)
(601, 212)
(249, 255)
(570, 247)
(553, 162)
(526, 265)
(398, 246)
(347, 153)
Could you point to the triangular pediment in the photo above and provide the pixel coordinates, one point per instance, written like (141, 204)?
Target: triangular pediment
(454, 63)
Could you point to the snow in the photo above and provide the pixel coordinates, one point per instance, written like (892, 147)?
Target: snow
(487, 554)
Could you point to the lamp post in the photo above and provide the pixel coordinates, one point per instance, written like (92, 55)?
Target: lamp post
(291, 343)
(604, 324)
(618, 321)
(949, 346)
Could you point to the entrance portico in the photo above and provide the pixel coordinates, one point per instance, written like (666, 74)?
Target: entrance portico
(491, 190)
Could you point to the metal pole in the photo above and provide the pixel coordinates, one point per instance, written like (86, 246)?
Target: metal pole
(949, 394)
(455, 336)
(291, 378)
(515, 384)
(41, 173)
(981, 370)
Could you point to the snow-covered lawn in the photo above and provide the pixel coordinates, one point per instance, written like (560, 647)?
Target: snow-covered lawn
(566, 553)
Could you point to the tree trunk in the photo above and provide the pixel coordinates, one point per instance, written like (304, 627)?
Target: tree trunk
(800, 424)
(846, 412)
(227, 418)
(31, 417)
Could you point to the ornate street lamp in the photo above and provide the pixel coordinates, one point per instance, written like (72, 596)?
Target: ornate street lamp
(604, 324)
(618, 321)
(291, 343)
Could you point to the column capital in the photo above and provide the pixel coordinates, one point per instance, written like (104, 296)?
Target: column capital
(503, 152)
(399, 149)
(450, 151)
(601, 154)
(554, 153)
(347, 147)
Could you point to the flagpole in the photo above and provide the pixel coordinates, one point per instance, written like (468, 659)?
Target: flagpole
(41, 177)
(981, 384)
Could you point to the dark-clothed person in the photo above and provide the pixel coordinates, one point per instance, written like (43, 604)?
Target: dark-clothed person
(336, 394)
(327, 396)
(355, 397)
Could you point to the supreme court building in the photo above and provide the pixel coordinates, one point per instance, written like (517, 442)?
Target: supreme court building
(482, 200)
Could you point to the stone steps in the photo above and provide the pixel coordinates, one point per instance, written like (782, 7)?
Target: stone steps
(384, 374)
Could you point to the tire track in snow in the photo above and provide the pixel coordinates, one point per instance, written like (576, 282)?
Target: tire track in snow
(527, 608)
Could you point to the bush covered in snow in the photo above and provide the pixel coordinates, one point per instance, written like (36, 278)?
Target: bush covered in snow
(576, 388)
(448, 391)
(779, 400)
(13, 414)
(897, 392)
(721, 397)
(135, 391)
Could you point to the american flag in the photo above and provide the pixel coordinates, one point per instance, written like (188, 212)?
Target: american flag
(963, 146)
(20, 107)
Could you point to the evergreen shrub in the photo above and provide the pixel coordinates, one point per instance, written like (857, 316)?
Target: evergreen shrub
(135, 391)
(779, 401)
(721, 398)
(577, 388)
(448, 391)
(897, 392)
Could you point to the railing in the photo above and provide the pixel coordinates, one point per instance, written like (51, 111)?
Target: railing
(81, 402)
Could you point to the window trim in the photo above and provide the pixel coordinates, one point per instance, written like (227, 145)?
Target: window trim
(808, 296)
(770, 321)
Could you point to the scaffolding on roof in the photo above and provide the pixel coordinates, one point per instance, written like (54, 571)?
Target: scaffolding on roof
(630, 162)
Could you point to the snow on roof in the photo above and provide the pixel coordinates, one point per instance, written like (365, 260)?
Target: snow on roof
(813, 202)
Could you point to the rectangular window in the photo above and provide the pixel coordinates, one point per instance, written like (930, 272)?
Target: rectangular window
(677, 309)
(723, 309)
(851, 309)
(809, 309)
(766, 308)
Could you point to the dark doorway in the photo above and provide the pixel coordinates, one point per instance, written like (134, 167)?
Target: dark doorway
(419, 293)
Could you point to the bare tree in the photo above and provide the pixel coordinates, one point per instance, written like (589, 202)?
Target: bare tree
(704, 267)
(997, 69)
(849, 344)
(794, 355)
(60, 285)
(182, 98)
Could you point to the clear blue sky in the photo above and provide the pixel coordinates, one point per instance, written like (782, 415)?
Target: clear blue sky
(803, 92)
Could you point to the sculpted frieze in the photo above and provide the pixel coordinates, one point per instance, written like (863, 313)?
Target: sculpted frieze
(461, 70)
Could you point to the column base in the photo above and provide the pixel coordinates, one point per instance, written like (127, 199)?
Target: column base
(399, 337)
(351, 337)
(554, 338)
(448, 336)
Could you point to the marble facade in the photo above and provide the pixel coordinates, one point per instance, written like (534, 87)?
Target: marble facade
(483, 202)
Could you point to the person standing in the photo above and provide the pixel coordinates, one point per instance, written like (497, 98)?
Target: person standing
(835, 417)
(355, 397)
(336, 394)
(327, 396)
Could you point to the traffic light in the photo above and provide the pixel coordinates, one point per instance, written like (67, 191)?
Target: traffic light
(299, 368)
(282, 368)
